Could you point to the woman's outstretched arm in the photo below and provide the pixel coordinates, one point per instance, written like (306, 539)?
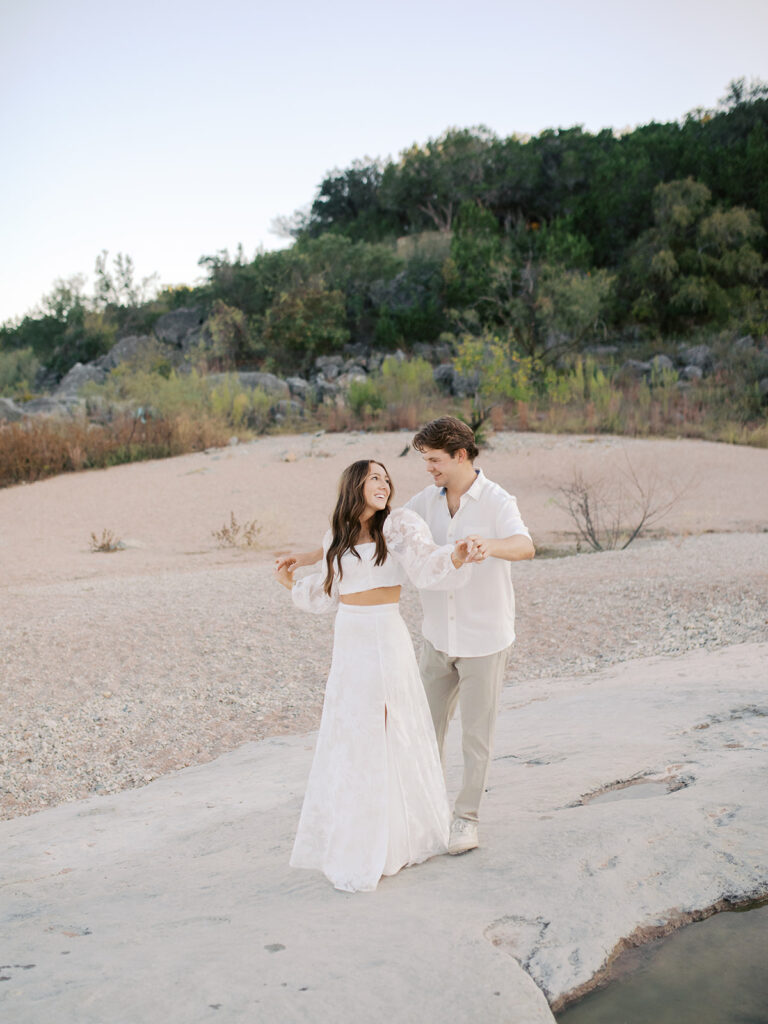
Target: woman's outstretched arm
(297, 561)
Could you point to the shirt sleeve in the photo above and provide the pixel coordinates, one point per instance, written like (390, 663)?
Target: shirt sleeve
(509, 522)
(429, 566)
(308, 593)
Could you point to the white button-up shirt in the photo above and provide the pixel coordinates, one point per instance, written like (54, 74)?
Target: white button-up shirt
(479, 618)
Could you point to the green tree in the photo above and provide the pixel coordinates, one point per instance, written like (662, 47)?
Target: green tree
(302, 324)
(699, 263)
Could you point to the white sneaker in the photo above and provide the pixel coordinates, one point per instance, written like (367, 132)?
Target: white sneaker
(463, 836)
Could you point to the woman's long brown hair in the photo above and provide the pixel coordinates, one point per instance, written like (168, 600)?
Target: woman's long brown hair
(345, 523)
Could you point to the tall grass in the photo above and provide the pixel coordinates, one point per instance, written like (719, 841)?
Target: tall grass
(41, 447)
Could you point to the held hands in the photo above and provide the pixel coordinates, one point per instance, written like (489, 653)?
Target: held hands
(481, 547)
(463, 552)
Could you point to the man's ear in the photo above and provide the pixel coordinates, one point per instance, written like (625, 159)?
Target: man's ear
(461, 455)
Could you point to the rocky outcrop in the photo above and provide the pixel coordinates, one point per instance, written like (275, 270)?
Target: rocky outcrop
(178, 327)
(80, 374)
(9, 411)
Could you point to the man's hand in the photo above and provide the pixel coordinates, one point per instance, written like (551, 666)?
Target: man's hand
(297, 561)
(463, 551)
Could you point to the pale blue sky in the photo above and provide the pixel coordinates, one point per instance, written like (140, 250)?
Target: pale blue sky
(168, 130)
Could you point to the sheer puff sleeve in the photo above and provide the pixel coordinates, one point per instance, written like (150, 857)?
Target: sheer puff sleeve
(429, 567)
(308, 593)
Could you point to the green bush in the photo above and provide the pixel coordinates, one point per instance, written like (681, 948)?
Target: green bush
(17, 371)
(365, 397)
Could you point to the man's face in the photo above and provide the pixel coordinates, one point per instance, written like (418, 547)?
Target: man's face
(441, 466)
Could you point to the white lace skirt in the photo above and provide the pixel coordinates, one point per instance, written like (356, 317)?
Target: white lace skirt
(375, 798)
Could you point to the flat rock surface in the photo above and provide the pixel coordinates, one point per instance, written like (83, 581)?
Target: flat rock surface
(175, 903)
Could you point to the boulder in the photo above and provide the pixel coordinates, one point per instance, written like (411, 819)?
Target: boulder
(745, 344)
(125, 349)
(49, 405)
(298, 387)
(691, 373)
(451, 382)
(635, 369)
(374, 360)
(697, 355)
(9, 411)
(329, 366)
(346, 378)
(174, 327)
(443, 376)
(287, 407)
(81, 373)
(250, 380)
(661, 362)
(326, 389)
(354, 366)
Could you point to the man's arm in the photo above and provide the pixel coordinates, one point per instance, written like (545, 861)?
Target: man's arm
(297, 561)
(516, 548)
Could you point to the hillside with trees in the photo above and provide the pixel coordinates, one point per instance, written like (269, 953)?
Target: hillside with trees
(539, 270)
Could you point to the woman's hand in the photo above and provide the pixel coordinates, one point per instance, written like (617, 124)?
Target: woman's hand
(295, 561)
(284, 573)
(463, 551)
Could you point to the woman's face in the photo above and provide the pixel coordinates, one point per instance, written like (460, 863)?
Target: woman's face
(376, 489)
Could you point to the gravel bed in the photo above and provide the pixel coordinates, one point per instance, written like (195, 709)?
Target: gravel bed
(108, 683)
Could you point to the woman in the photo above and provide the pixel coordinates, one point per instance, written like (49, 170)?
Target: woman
(375, 799)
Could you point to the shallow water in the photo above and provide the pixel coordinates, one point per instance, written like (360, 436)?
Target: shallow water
(710, 972)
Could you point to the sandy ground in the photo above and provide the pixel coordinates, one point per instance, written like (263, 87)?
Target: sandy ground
(118, 667)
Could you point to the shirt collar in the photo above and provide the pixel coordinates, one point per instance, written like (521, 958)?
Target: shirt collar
(475, 489)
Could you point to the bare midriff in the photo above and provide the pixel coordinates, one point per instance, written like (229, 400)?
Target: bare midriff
(379, 595)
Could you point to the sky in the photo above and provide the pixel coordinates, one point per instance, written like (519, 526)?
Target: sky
(168, 131)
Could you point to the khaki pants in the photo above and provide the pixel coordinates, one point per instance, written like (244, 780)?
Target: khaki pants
(475, 685)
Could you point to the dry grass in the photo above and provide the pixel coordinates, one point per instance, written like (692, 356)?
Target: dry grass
(237, 535)
(45, 446)
(106, 543)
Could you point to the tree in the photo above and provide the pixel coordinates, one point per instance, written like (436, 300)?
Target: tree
(698, 264)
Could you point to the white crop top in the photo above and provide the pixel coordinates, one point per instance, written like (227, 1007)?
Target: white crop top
(411, 554)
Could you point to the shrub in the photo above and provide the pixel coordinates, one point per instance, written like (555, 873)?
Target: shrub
(365, 397)
(17, 371)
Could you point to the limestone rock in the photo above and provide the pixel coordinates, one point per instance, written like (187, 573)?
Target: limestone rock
(73, 380)
(661, 362)
(298, 387)
(125, 349)
(288, 407)
(691, 373)
(329, 366)
(174, 327)
(9, 411)
(635, 369)
(251, 380)
(49, 405)
(560, 879)
(697, 355)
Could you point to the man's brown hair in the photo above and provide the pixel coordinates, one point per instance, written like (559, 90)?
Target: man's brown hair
(447, 434)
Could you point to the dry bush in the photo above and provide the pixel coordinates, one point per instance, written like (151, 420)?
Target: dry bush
(610, 514)
(237, 535)
(107, 542)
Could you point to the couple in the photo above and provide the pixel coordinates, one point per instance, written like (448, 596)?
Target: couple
(376, 798)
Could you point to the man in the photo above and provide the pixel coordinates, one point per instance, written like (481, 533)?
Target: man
(467, 632)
